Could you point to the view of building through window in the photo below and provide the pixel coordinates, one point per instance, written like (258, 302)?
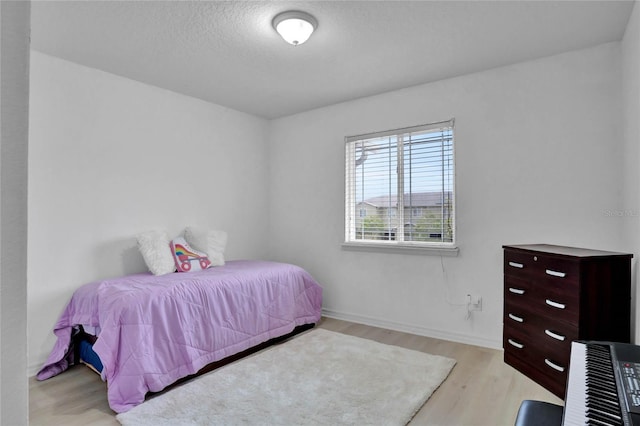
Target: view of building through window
(400, 186)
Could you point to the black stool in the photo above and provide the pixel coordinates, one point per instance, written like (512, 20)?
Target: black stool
(539, 413)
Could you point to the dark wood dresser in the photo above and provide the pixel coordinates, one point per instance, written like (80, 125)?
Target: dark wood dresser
(556, 294)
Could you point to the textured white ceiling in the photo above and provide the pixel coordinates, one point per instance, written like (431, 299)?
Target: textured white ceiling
(226, 52)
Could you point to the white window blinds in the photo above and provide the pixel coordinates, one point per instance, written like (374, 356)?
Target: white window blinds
(400, 186)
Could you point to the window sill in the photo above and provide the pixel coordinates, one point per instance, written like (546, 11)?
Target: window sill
(402, 248)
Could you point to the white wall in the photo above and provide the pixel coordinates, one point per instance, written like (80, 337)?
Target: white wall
(14, 114)
(109, 158)
(631, 132)
(538, 157)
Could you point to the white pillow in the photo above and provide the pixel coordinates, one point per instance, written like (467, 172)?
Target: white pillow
(213, 243)
(156, 252)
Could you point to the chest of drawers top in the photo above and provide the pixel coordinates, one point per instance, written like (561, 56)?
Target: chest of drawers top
(546, 260)
(564, 251)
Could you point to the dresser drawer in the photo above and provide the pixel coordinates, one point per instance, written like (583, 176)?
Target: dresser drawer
(518, 263)
(540, 350)
(548, 372)
(517, 288)
(547, 303)
(538, 301)
(516, 340)
(550, 366)
(540, 266)
(518, 317)
(554, 381)
(548, 333)
(557, 271)
(558, 308)
(553, 338)
(548, 369)
(537, 349)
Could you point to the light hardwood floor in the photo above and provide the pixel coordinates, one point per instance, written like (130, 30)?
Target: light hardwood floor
(481, 389)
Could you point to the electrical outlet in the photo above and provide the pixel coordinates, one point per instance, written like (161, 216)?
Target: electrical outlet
(474, 303)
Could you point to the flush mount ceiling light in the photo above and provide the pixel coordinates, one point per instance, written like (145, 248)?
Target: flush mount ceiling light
(295, 27)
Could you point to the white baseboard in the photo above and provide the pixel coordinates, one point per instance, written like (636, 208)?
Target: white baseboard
(414, 329)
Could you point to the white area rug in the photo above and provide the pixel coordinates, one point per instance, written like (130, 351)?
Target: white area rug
(317, 378)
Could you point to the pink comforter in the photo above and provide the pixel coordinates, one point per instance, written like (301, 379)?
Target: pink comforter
(158, 329)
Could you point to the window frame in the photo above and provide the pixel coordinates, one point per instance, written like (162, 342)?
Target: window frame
(350, 206)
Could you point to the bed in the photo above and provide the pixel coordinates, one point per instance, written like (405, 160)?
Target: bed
(154, 330)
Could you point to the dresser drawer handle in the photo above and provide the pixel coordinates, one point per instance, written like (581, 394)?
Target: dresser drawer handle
(516, 265)
(555, 273)
(555, 304)
(516, 290)
(515, 318)
(554, 365)
(516, 344)
(555, 335)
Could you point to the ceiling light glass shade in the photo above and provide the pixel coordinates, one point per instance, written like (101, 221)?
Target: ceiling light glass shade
(295, 27)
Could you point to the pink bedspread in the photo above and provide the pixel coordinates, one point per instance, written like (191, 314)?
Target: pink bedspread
(158, 329)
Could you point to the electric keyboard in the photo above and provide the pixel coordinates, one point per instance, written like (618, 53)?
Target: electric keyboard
(603, 387)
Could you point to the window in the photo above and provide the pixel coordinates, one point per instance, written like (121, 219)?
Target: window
(405, 178)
